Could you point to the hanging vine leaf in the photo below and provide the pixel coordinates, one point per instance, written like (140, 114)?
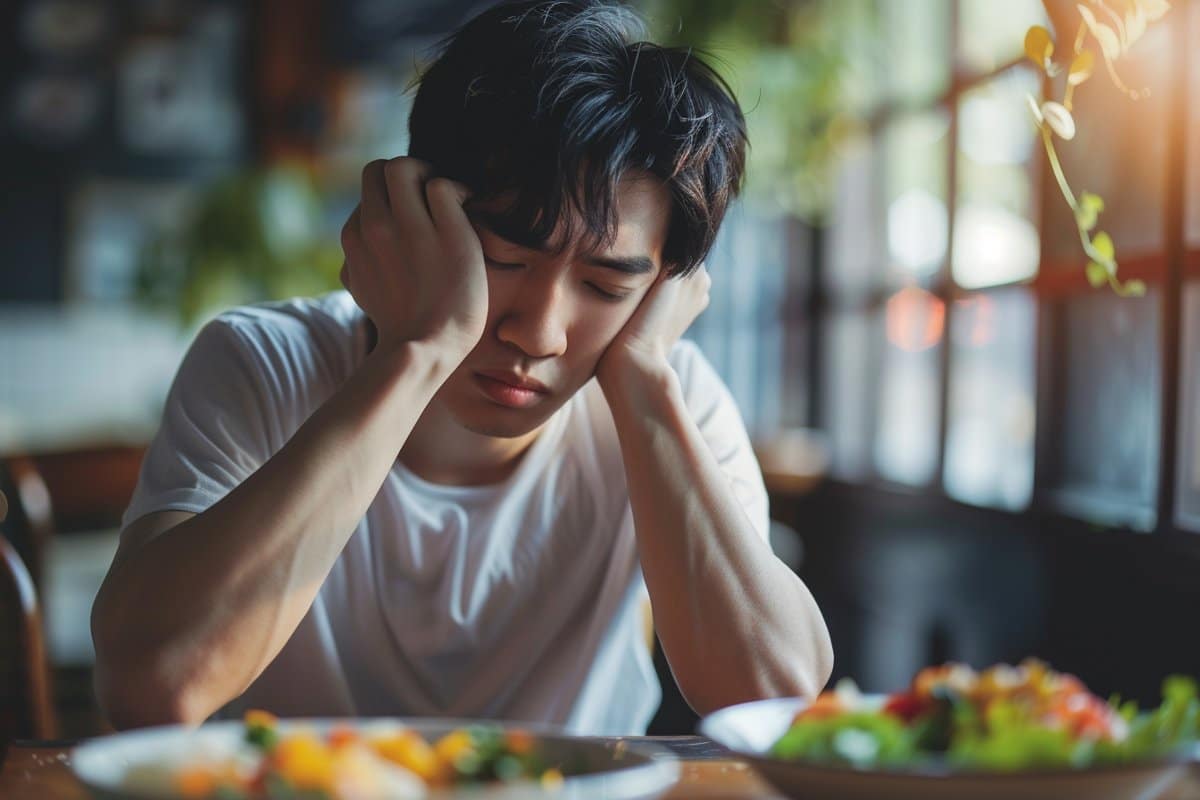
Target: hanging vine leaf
(1103, 244)
(1035, 109)
(1081, 68)
(1135, 26)
(1090, 206)
(1059, 119)
(1154, 9)
(1097, 275)
(1110, 42)
(1039, 46)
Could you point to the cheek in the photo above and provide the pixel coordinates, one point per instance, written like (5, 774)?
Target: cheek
(595, 330)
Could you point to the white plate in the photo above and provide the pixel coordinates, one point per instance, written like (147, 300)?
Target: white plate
(609, 770)
(750, 729)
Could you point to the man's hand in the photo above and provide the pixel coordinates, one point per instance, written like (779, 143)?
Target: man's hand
(413, 261)
(664, 314)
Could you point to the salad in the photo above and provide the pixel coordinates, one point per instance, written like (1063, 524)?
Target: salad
(1003, 718)
(371, 761)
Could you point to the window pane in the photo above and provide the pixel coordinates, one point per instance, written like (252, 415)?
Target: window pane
(915, 194)
(995, 232)
(853, 241)
(1193, 214)
(1119, 152)
(1188, 486)
(906, 446)
(1104, 435)
(991, 33)
(989, 435)
(917, 63)
(845, 390)
(741, 331)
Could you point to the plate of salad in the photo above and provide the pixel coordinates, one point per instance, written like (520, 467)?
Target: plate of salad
(263, 758)
(1008, 731)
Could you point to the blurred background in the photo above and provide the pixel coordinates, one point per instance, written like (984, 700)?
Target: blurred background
(972, 454)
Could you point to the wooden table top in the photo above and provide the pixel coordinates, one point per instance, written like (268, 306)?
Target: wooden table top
(42, 771)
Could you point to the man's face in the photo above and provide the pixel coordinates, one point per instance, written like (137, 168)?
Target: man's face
(552, 314)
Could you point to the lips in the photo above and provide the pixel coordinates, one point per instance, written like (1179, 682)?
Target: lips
(513, 379)
(510, 389)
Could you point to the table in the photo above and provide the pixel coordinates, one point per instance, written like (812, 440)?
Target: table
(41, 771)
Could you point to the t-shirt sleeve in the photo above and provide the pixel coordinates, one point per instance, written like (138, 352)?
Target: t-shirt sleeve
(716, 415)
(215, 426)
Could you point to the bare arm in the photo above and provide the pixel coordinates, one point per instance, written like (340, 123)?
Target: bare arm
(735, 622)
(185, 622)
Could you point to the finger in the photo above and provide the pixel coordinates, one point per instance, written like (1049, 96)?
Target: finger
(352, 243)
(378, 227)
(446, 198)
(406, 178)
(344, 276)
(375, 202)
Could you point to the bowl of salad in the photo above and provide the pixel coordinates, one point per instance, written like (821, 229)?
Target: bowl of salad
(263, 758)
(1022, 731)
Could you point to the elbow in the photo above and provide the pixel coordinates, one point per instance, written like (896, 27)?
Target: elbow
(795, 674)
(819, 668)
(132, 688)
(131, 698)
(807, 673)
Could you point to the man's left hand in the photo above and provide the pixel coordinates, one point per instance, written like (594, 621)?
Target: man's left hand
(671, 305)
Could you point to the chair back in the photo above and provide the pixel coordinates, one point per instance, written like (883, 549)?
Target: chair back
(26, 707)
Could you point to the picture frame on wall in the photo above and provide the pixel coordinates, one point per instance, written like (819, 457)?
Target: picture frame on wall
(177, 95)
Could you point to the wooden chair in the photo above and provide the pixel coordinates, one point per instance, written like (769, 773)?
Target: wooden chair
(26, 708)
(30, 523)
(54, 496)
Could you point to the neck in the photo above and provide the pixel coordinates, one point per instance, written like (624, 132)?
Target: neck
(440, 450)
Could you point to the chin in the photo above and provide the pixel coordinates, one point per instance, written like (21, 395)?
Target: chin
(488, 419)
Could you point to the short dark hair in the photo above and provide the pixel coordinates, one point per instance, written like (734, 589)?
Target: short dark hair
(552, 102)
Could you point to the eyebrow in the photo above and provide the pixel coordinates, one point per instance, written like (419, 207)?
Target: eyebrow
(630, 265)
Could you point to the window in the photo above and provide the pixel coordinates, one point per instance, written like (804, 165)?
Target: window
(962, 351)
(938, 199)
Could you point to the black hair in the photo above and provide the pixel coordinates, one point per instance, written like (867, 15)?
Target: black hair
(549, 103)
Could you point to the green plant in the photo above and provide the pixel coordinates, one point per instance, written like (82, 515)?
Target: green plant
(796, 69)
(1114, 32)
(252, 236)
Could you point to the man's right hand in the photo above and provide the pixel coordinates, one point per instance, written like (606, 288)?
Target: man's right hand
(413, 260)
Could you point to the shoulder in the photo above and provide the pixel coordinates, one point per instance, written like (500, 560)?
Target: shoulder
(302, 339)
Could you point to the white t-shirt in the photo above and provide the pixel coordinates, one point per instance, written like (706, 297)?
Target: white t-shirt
(520, 600)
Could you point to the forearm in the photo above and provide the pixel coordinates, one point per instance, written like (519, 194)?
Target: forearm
(196, 614)
(735, 622)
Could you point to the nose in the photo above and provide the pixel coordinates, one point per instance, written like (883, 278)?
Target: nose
(534, 320)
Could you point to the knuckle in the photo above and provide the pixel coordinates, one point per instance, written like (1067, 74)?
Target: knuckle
(394, 167)
(371, 167)
(402, 167)
(377, 231)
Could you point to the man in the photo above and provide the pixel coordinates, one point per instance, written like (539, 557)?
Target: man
(412, 498)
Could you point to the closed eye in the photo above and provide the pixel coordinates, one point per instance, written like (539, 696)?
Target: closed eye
(502, 265)
(612, 297)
